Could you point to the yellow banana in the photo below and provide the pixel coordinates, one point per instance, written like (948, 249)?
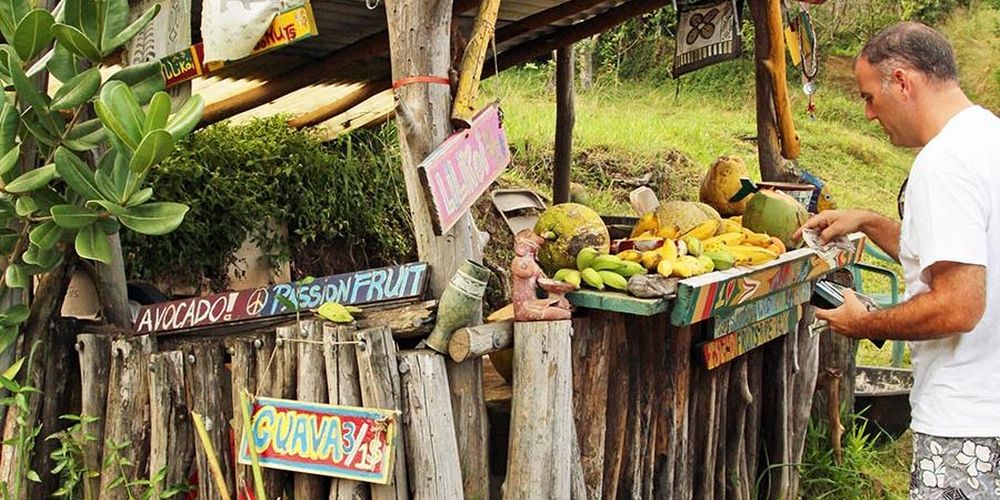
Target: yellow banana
(748, 255)
(630, 255)
(730, 226)
(669, 232)
(756, 239)
(703, 231)
(665, 268)
(687, 266)
(648, 222)
(718, 242)
(669, 250)
(651, 258)
(706, 263)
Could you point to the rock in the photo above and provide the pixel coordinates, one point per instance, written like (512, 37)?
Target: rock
(652, 286)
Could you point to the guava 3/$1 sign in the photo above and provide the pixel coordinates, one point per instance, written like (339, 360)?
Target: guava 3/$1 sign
(339, 441)
(462, 168)
(385, 284)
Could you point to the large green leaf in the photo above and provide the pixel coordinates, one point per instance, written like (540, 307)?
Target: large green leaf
(8, 160)
(25, 88)
(25, 206)
(110, 206)
(78, 176)
(45, 235)
(33, 33)
(11, 13)
(44, 259)
(74, 40)
(93, 244)
(15, 315)
(122, 102)
(125, 35)
(8, 126)
(16, 276)
(114, 17)
(112, 123)
(32, 179)
(156, 146)
(157, 112)
(63, 64)
(82, 14)
(106, 185)
(186, 119)
(41, 63)
(77, 90)
(154, 218)
(144, 79)
(38, 131)
(73, 216)
(140, 197)
(109, 225)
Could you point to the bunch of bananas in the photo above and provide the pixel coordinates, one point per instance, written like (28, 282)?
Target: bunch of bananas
(600, 271)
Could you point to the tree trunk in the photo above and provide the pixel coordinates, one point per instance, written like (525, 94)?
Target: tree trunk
(564, 125)
(768, 146)
(111, 288)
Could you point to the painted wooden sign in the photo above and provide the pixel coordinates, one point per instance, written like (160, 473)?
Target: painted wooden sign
(459, 171)
(722, 350)
(701, 297)
(291, 26)
(726, 322)
(339, 441)
(384, 284)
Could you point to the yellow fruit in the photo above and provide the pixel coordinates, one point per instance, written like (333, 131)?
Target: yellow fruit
(669, 232)
(738, 219)
(704, 231)
(334, 311)
(567, 228)
(585, 257)
(568, 275)
(693, 245)
(730, 226)
(669, 250)
(722, 240)
(665, 268)
(777, 246)
(706, 263)
(648, 222)
(721, 182)
(613, 280)
(606, 262)
(651, 258)
(756, 239)
(684, 214)
(687, 266)
(722, 259)
(592, 278)
(630, 255)
(747, 255)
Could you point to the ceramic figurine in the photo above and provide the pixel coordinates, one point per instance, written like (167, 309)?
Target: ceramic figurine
(528, 277)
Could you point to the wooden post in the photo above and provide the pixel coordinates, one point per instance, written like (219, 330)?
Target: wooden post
(204, 376)
(127, 412)
(311, 386)
(590, 396)
(61, 390)
(541, 422)
(476, 341)
(805, 353)
(472, 63)
(617, 407)
(343, 388)
(564, 125)
(431, 446)
(768, 145)
(679, 377)
(275, 374)
(243, 369)
(468, 403)
(95, 367)
(171, 435)
(380, 388)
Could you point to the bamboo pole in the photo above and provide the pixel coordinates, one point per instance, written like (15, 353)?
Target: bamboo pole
(483, 29)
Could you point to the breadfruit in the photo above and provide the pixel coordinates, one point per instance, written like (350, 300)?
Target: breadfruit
(684, 215)
(568, 228)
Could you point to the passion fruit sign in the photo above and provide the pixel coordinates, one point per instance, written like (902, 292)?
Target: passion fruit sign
(385, 284)
(340, 441)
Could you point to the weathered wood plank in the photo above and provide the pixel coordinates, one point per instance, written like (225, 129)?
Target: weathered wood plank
(468, 405)
(729, 321)
(171, 435)
(343, 388)
(62, 395)
(380, 388)
(206, 378)
(722, 350)
(407, 321)
(476, 341)
(679, 378)
(590, 397)
(127, 411)
(95, 367)
(539, 464)
(275, 374)
(617, 302)
(617, 407)
(243, 367)
(431, 446)
(310, 386)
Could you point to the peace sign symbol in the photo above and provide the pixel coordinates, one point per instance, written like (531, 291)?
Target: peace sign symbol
(255, 303)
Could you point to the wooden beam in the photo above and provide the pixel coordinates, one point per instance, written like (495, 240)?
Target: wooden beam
(545, 18)
(483, 29)
(325, 112)
(564, 125)
(293, 79)
(476, 341)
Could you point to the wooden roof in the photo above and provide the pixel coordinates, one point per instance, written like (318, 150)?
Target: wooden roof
(340, 79)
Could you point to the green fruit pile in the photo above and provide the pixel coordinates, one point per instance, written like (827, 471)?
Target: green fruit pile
(599, 271)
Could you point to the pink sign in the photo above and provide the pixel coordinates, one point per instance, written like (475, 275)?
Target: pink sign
(459, 171)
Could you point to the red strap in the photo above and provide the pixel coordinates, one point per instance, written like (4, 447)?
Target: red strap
(420, 79)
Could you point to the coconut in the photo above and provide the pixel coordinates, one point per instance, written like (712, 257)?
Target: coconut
(721, 182)
(776, 214)
(567, 229)
(684, 214)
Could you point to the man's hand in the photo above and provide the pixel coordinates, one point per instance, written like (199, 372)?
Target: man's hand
(834, 223)
(846, 319)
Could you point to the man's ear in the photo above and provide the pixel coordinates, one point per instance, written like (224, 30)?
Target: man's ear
(904, 80)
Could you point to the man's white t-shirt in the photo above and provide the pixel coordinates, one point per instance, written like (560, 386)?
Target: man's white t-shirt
(952, 213)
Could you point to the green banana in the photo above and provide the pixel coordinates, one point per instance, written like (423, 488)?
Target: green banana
(606, 262)
(567, 275)
(592, 278)
(723, 260)
(629, 269)
(586, 257)
(613, 280)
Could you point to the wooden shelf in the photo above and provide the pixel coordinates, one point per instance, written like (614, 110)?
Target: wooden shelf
(618, 302)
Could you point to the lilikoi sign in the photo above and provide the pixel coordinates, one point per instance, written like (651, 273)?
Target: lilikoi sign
(385, 284)
(459, 171)
(339, 441)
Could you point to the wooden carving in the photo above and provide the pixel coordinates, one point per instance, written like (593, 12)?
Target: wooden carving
(528, 277)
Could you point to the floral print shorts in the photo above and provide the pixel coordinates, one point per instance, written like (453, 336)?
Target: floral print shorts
(954, 468)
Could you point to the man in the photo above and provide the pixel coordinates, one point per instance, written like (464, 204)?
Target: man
(949, 246)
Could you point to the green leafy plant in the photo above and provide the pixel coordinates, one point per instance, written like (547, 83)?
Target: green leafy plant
(68, 459)
(24, 436)
(136, 489)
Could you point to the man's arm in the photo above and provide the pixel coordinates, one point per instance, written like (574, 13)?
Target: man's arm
(882, 230)
(954, 304)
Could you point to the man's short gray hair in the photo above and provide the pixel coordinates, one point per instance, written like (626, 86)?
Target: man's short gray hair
(912, 45)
